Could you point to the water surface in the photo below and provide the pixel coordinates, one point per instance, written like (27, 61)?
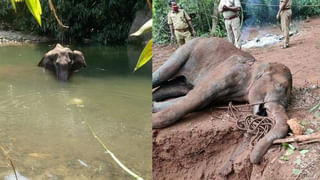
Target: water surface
(46, 134)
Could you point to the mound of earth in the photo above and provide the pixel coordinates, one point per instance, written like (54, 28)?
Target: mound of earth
(208, 145)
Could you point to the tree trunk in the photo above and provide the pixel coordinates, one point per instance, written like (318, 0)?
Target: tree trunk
(215, 19)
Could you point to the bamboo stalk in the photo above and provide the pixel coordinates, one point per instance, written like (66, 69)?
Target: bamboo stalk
(113, 156)
(9, 159)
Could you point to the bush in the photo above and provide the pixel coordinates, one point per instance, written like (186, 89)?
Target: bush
(201, 22)
(252, 15)
(103, 21)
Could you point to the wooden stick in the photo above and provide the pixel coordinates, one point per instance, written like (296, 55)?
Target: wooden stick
(243, 105)
(149, 4)
(9, 159)
(112, 155)
(300, 138)
(56, 16)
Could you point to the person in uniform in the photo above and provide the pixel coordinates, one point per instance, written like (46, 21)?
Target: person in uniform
(230, 10)
(285, 16)
(178, 21)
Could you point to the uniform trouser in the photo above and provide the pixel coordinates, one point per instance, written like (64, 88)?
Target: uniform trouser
(285, 16)
(182, 37)
(233, 31)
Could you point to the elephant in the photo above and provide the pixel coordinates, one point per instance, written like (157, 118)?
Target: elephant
(211, 70)
(63, 61)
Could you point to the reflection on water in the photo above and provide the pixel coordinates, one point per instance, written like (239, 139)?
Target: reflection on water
(45, 132)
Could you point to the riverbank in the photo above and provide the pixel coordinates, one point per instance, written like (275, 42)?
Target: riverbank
(8, 38)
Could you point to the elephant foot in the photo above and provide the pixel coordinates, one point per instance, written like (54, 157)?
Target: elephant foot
(163, 119)
(157, 121)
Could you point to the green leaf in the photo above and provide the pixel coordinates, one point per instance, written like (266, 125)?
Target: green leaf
(289, 152)
(14, 5)
(147, 27)
(285, 145)
(284, 158)
(298, 162)
(303, 123)
(291, 146)
(296, 171)
(35, 9)
(314, 108)
(309, 131)
(145, 56)
(304, 151)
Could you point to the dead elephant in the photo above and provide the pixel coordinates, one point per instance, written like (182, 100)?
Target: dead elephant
(211, 70)
(63, 61)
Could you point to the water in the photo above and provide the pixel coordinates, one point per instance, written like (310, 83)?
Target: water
(46, 134)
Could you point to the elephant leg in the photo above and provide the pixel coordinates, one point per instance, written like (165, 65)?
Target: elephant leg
(173, 64)
(201, 95)
(172, 89)
(159, 106)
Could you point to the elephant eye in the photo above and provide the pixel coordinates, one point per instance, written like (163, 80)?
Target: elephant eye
(70, 55)
(53, 57)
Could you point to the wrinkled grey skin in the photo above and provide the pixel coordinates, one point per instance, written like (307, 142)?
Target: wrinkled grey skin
(211, 70)
(62, 61)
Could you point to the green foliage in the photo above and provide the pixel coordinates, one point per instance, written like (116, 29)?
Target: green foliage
(202, 21)
(106, 21)
(252, 15)
(296, 171)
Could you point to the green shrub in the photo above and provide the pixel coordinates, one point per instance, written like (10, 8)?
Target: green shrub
(252, 15)
(105, 21)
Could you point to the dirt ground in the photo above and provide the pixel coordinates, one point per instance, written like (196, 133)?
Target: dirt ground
(200, 146)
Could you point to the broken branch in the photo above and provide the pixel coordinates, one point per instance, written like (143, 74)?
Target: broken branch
(56, 16)
(5, 153)
(300, 138)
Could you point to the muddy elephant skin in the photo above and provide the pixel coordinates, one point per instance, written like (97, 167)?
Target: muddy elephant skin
(211, 70)
(63, 61)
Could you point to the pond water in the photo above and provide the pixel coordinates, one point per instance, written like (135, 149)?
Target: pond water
(45, 132)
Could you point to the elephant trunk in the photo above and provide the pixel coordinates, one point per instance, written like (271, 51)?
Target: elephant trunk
(280, 130)
(62, 72)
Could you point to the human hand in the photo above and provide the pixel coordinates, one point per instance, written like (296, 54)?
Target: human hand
(194, 33)
(278, 15)
(172, 38)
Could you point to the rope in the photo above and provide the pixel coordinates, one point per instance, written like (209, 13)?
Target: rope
(255, 125)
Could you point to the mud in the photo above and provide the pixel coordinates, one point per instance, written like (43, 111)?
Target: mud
(202, 145)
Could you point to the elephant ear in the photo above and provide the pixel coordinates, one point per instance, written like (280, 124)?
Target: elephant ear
(48, 61)
(78, 60)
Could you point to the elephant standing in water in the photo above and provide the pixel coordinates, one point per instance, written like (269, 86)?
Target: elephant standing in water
(63, 61)
(211, 70)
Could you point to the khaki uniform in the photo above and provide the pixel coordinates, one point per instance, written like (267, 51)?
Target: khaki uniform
(231, 21)
(179, 20)
(285, 17)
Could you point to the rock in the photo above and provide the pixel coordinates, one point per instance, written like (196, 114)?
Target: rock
(296, 128)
